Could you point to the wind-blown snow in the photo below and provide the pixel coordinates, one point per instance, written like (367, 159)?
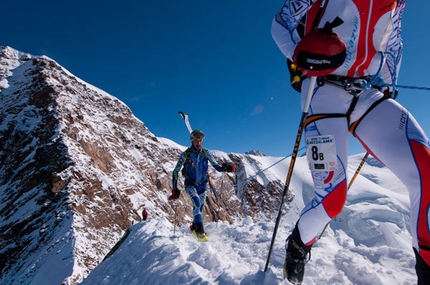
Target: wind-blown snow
(369, 243)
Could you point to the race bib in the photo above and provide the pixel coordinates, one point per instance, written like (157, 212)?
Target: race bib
(321, 153)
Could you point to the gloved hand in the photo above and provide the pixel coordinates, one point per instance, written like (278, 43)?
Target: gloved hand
(175, 194)
(228, 167)
(296, 76)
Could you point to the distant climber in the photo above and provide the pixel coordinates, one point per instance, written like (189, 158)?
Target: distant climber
(194, 164)
(144, 214)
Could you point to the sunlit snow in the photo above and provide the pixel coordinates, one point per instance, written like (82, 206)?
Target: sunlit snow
(369, 243)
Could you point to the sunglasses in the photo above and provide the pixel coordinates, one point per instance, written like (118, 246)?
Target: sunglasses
(198, 136)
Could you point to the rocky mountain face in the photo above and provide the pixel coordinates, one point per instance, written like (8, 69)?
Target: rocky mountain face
(78, 168)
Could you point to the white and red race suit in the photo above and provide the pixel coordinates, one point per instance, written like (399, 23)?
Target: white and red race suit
(371, 31)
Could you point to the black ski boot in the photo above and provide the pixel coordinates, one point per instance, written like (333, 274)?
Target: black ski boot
(193, 229)
(201, 235)
(422, 269)
(296, 258)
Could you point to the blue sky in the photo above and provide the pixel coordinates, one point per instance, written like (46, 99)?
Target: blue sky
(215, 60)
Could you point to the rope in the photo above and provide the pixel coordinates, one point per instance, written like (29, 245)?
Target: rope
(411, 87)
(258, 173)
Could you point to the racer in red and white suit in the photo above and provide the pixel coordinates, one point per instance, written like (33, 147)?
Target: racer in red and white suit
(371, 31)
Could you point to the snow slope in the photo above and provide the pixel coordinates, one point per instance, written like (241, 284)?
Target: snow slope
(369, 243)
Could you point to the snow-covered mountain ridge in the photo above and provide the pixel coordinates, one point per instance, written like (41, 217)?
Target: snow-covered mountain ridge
(79, 168)
(369, 243)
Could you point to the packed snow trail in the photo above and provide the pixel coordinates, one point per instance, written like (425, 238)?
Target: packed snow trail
(368, 243)
(235, 254)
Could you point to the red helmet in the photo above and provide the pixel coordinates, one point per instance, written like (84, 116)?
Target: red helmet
(321, 51)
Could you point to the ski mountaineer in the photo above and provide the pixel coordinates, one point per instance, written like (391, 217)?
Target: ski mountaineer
(144, 214)
(354, 48)
(194, 164)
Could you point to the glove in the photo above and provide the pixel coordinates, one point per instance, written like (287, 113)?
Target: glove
(296, 76)
(228, 167)
(175, 194)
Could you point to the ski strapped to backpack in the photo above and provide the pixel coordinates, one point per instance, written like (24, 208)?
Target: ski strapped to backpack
(187, 123)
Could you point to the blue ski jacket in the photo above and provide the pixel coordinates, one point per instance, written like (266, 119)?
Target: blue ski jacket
(194, 166)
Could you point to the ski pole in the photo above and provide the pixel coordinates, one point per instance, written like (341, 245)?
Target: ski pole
(222, 189)
(350, 184)
(212, 187)
(175, 205)
(358, 169)
(292, 162)
(363, 160)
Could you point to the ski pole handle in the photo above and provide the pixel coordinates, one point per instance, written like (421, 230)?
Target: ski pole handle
(309, 95)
